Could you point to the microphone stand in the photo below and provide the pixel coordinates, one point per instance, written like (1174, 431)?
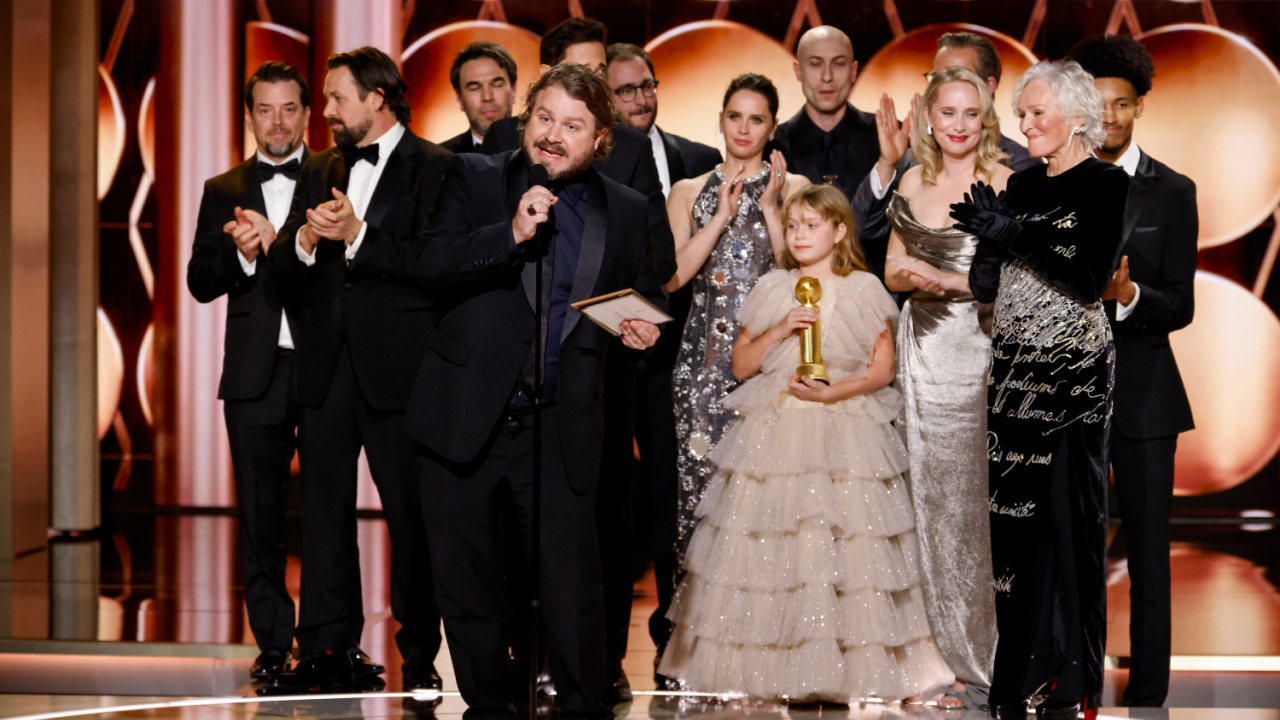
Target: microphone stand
(535, 521)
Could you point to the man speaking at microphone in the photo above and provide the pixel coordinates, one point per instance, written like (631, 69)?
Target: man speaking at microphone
(472, 407)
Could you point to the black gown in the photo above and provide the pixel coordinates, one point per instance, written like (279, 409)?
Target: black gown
(1049, 415)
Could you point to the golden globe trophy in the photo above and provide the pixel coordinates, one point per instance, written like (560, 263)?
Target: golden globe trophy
(808, 293)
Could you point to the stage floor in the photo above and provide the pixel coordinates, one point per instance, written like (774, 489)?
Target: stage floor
(151, 606)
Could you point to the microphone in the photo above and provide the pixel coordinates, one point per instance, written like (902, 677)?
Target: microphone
(538, 178)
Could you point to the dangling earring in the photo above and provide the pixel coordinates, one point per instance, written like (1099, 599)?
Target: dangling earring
(928, 129)
(1074, 133)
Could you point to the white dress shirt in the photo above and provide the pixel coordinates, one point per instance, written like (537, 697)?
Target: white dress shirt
(1129, 161)
(660, 157)
(277, 193)
(476, 141)
(362, 181)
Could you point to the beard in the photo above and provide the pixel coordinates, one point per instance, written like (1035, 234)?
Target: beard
(345, 136)
(278, 148)
(644, 128)
(575, 167)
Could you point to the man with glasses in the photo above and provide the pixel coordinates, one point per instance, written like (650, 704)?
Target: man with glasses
(635, 96)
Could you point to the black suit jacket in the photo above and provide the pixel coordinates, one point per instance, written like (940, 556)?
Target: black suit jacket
(1161, 225)
(253, 309)
(686, 158)
(461, 143)
(385, 321)
(486, 309)
(629, 164)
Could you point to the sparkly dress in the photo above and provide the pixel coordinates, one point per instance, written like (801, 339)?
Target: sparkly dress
(704, 364)
(1049, 399)
(801, 580)
(943, 352)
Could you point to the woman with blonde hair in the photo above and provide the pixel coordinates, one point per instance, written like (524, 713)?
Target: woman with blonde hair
(1046, 252)
(944, 348)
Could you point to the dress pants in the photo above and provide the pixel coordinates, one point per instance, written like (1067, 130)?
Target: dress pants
(1144, 487)
(262, 434)
(465, 508)
(613, 502)
(330, 438)
(656, 435)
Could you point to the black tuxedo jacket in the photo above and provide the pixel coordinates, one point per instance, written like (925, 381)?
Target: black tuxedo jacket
(1161, 225)
(629, 164)
(686, 158)
(253, 309)
(486, 309)
(461, 143)
(384, 320)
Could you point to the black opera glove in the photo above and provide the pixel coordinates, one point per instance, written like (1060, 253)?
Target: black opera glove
(986, 215)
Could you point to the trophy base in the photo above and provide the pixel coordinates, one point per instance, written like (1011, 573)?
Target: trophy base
(815, 372)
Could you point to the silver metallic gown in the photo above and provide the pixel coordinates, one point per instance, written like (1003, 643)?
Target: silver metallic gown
(943, 353)
(704, 365)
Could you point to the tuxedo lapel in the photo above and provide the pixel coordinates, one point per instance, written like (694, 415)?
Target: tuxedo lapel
(395, 177)
(675, 161)
(595, 234)
(1141, 188)
(253, 199)
(517, 184)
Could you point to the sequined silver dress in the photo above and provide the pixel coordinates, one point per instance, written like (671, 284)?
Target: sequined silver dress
(943, 352)
(801, 580)
(704, 365)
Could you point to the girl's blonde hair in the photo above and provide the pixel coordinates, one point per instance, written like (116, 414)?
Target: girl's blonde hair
(831, 204)
(988, 153)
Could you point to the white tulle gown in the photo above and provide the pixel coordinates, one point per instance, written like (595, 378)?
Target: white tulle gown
(801, 580)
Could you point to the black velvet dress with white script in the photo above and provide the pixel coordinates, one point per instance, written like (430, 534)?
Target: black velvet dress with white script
(1049, 414)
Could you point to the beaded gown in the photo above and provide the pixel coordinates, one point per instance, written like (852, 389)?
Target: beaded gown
(943, 351)
(801, 580)
(1049, 399)
(703, 374)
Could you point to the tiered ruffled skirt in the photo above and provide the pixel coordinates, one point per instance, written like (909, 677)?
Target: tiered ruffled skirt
(802, 581)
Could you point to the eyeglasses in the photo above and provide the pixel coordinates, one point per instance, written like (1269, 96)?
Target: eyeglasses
(628, 92)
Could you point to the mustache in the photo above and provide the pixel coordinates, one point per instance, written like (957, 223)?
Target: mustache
(334, 122)
(553, 147)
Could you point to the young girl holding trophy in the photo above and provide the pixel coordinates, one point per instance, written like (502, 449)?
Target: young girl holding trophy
(802, 582)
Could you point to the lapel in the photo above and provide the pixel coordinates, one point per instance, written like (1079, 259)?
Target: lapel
(675, 162)
(252, 196)
(594, 235)
(396, 176)
(335, 176)
(517, 183)
(1141, 188)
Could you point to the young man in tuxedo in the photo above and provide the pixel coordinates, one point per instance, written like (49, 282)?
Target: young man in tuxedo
(362, 339)
(1151, 295)
(484, 78)
(957, 49)
(635, 96)
(235, 228)
(473, 405)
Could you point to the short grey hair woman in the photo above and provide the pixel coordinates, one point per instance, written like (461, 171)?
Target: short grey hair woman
(1047, 249)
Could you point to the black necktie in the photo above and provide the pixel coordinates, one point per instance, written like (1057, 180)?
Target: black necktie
(354, 155)
(267, 171)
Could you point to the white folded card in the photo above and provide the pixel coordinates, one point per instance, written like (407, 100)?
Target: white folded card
(609, 311)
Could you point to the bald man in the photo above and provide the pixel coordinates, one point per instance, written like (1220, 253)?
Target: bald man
(829, 140)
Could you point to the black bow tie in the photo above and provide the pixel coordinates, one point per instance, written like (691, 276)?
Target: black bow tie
(354, 155)
(267, 171)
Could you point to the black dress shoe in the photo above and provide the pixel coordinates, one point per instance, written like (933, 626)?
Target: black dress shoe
(362, 665)
(320, 671)
(420, 675)
(618, 688)
(269, 663)
(1010, 711)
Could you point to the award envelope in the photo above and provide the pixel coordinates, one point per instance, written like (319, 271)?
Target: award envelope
(609, 311)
